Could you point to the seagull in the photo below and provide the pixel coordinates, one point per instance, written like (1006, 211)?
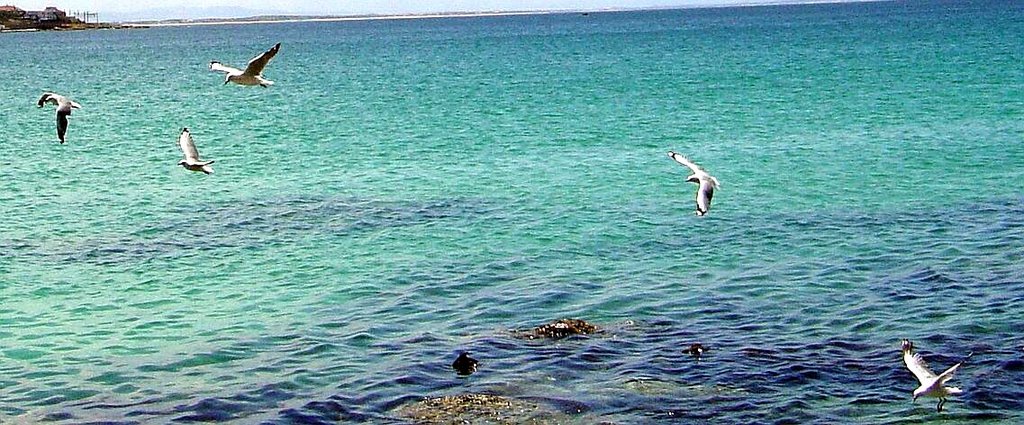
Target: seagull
(707, 183)
(931, 385)
(64, 107)
(465, 365)
(191, 161)
(253, 74)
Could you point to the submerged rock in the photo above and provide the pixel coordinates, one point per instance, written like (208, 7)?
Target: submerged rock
(559, 329)
(650, 386)
(479, 409)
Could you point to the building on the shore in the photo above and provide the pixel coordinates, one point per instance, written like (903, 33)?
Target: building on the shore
(13, 17)
(11, 12)
(49, 14)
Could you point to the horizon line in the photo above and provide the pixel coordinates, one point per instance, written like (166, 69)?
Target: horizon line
(256, 19)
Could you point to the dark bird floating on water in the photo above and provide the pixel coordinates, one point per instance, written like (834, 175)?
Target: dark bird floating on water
(64, 107)
(253, 74)
(696, 350)
(465, 365)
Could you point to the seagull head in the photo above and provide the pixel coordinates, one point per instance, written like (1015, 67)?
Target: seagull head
(183, 163)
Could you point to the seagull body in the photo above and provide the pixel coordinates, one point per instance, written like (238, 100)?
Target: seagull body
(931, 385)
(706, 183)
(191, 161)
(64, 107)
(253, 73)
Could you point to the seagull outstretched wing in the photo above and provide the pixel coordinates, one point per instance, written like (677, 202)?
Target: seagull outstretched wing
(219, 67)
(918, 367)
(948, 374)
(63, 103)
(47, 97)
(686, 162)
(188, 147)
(256, 64)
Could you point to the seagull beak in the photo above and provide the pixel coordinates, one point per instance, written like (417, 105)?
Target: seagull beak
(914, 400)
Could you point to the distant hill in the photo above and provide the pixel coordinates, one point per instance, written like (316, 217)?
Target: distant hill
(189, 13)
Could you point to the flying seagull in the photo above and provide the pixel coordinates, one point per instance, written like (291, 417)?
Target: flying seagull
(253, 74)
(706, 183)
(64, 107)
(191, 161)
(931, 385)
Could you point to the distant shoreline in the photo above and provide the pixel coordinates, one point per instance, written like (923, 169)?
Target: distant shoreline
(289, 19)
(77, 27)
(277, 19)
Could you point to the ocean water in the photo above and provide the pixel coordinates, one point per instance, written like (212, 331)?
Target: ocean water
(409, 189)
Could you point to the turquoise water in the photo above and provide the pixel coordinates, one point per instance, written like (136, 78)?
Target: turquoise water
(410, 189)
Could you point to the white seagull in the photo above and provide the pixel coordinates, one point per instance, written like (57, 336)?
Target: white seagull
(191, 161)
(253, 74)
(64, 107)
(931, 385)
(706, 183)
